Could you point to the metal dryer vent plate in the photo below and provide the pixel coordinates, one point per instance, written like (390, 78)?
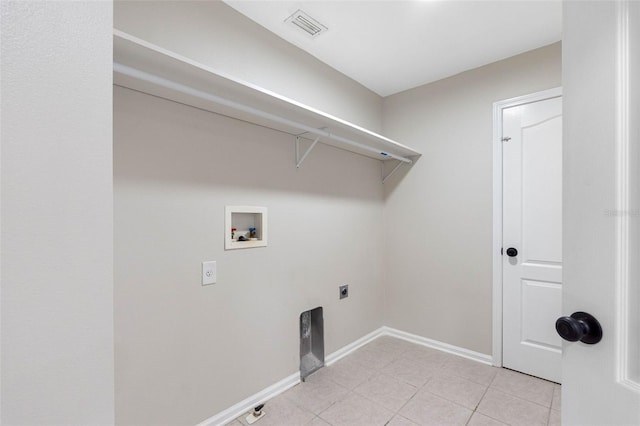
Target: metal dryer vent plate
(306, 23)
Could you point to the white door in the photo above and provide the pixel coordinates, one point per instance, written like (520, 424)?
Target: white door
(532, 234)
(601, 86)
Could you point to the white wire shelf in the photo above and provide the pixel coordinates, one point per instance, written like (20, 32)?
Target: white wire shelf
(148, 68)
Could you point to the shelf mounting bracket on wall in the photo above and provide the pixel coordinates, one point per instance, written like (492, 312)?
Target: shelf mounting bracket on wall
(307, 152)
(148, 68)
(395, 169)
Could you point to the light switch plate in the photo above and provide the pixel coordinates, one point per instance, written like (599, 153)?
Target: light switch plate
(209, 272)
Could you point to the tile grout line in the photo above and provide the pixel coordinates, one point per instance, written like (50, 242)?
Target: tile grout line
(418, 389)
(524, 399)
(379, 371)
(475, 410)
(393, 357)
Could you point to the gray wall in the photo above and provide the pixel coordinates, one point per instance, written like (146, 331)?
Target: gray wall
(216, 35)
(185, 352)
(438, 215)
(57, 213)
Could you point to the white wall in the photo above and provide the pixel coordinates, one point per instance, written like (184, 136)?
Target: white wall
(216, 35)
(186, 352)
(57, 241)
(438, 215)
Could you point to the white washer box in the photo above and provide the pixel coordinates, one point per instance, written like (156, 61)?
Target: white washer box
(239, 221)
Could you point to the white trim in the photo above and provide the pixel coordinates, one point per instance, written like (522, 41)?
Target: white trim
(435, 344)
(276, 389)
(497, 234)
(136, 62)
(351, 347)
(623, 202)
(497, 208)
(622, 193)
(247, 404)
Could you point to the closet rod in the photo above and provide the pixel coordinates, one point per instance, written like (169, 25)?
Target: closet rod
(187, 90)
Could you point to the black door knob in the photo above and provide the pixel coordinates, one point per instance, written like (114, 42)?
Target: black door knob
(511, 252)
(579, 326)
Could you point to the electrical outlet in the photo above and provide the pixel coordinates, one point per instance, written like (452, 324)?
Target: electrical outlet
(344, 291)
(209, 272)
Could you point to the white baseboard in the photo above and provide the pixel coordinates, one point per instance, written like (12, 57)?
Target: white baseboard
(346, 350)
(246, 405)
(435, 344)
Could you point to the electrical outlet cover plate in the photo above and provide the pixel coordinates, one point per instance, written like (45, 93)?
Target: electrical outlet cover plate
(209, 272)
(344, 291)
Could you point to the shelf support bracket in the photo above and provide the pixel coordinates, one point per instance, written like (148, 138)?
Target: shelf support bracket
(395, 169)
(307, 152)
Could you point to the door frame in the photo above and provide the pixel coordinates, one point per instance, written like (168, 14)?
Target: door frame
(497, 208)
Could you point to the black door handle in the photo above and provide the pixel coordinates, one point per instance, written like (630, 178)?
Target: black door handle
(512, 252)
(579, 326)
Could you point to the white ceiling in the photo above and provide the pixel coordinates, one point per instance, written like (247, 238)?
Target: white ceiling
(390, 46)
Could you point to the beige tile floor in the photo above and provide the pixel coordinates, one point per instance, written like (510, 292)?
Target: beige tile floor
(397, 383)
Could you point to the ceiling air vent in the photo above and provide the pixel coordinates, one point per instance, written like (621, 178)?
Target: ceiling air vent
(306, 23)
